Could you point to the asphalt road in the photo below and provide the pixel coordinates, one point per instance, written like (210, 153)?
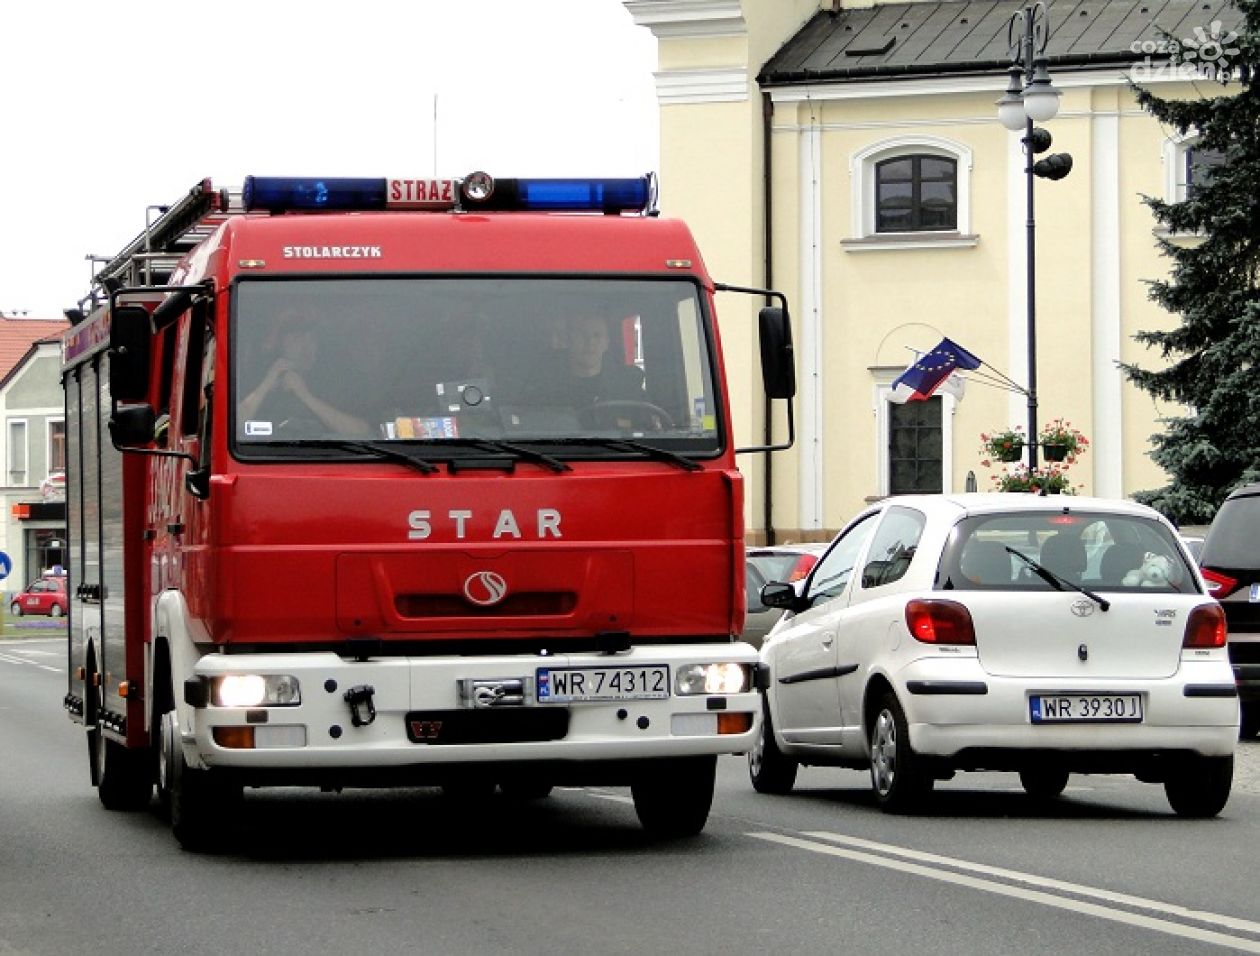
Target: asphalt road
(983, 871)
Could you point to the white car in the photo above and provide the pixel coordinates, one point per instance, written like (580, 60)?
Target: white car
(1045, 635)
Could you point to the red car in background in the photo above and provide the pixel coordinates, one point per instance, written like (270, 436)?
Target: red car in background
(46, 595)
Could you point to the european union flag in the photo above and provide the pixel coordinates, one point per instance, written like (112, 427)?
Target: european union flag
(921, 380)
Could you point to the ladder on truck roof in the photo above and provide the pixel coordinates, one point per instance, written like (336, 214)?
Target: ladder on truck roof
(150, 258)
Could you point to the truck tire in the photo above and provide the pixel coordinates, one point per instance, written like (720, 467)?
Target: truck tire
(194, 799)
(1200, 787)
(673, 797)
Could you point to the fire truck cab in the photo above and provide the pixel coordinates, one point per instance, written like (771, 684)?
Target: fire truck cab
(383, 482)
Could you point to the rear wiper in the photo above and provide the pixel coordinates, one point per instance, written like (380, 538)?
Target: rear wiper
(629, 444)
(376, 449)
(1057, 582)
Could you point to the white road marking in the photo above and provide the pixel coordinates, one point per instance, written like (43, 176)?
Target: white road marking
(1116, 915)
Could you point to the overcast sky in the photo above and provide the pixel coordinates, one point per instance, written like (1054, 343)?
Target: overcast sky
(109, 107)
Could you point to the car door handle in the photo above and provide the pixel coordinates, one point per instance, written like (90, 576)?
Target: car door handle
(828, 639)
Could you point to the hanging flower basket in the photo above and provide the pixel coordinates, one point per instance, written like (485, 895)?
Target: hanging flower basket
(1061, 442)
(1052, 481)
(1005, 445)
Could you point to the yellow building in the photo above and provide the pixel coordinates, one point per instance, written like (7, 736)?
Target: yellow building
(850, 155)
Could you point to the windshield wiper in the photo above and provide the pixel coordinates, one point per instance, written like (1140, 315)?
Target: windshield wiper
(1057, 582)
(521, 451)
(629, 444)
(373, 448)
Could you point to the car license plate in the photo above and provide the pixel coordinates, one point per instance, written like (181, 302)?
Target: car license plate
(576, 684)
(1059, 708)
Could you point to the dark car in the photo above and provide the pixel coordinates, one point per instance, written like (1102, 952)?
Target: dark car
(1230, 561)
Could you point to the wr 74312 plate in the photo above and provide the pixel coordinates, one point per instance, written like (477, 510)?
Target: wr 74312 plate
(578, 684)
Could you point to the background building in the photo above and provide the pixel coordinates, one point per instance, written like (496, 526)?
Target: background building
(33, 448)
(850, 155)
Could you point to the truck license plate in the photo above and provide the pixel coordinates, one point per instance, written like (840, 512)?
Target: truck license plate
(1060, 708)
(577, 684)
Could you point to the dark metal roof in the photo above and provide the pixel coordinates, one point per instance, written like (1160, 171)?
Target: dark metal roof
(970, 36)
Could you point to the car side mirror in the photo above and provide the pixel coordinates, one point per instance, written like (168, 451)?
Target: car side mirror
(776, 594)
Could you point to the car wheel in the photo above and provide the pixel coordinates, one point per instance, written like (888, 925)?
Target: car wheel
(15, 609)
(768, 768)
(672, 798)
(898, 777)
(1200, 787)
(55, 611)
(1043, 783)
(1249, 726)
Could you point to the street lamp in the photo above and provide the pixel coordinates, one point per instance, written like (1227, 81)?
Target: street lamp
(1031, 97)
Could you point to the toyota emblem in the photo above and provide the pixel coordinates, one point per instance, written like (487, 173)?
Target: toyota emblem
(1082, 608)
(485, 588)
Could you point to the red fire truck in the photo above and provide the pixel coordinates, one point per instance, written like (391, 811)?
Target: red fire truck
(381, 482)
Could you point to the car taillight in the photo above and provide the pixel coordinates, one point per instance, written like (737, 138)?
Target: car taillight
(1219, 585)
(1205, 627)
(802, 567)
(940, 622)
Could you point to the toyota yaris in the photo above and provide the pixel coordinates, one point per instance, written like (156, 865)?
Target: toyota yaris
(1043, 635)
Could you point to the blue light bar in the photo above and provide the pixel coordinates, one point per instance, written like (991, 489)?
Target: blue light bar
(568, 195)
(289, 193)
(313, 194)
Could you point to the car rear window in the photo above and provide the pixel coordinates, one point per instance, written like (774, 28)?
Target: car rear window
(1231, 540)
(1099, 551)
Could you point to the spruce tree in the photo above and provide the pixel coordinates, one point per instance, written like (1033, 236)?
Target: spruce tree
(1213, 356)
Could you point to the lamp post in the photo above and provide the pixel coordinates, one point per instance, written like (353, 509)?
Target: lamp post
(1031, 97)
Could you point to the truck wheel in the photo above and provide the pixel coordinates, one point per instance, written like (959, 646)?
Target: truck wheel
(768, 768)
(195, 799)
(673, 797)
(1200, 787)
(898, 777)
(1249, 724)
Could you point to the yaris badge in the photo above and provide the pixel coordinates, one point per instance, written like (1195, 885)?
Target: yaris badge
(485, 588)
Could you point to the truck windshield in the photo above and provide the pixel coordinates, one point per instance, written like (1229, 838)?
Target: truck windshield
(567, 364)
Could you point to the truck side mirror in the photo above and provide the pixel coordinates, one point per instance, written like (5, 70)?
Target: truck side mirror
(130, 336)
(131, 425)
(778, 366)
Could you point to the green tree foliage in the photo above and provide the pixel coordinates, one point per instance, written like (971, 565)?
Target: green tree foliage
(1213, 356)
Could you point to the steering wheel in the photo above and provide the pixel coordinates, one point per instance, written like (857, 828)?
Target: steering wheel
(642, 414)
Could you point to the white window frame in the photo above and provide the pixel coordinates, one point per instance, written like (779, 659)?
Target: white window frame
(16, 435)
(48, 443)
(1175, 148)
(883, 423)
(862, 184)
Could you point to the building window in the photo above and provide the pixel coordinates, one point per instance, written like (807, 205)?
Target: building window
(1196, 167)
(910, 192)
(916, 447)
(56, 446)
(916, 194)
(17, 453)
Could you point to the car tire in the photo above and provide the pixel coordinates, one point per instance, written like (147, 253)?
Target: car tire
(15, 609)
(1200, 787)
(672, 798)
(55, 611)
(769, 769)
(1249, 724)
(899, 780)
(1043, 783)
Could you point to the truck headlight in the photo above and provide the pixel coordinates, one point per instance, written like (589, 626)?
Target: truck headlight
(257, 690)
(725, 678)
